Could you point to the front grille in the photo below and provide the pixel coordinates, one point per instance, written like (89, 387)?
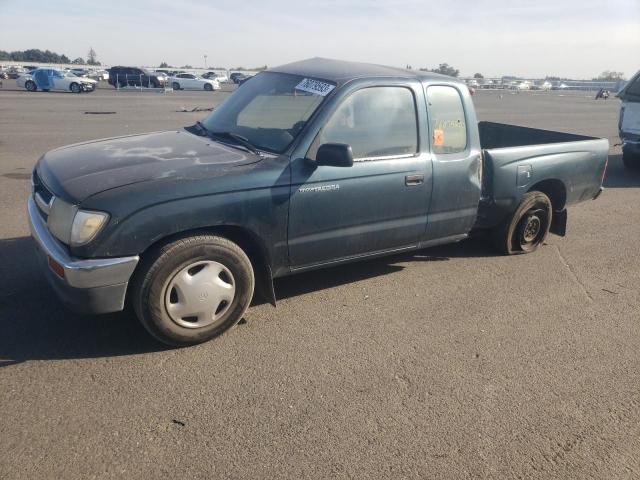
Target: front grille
(39, 187)
(41, 194)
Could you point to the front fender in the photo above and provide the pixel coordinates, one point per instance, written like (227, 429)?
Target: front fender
(263, 213)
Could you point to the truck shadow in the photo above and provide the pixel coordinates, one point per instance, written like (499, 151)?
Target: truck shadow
(618, 176)
(35, 326)
(308, 282)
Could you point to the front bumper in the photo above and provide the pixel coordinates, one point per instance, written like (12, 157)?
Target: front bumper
(96, 285)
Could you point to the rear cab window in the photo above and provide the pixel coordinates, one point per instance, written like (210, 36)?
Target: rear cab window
(447, 121)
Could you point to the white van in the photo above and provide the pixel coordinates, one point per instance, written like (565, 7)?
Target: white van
(629, 123)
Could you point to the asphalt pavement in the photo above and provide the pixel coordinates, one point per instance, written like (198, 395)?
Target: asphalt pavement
(451, 362)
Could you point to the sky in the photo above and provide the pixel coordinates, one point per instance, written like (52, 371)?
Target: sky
(532, 38)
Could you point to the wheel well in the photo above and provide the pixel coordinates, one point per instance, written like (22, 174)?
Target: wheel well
(555, 190)
(246, 240)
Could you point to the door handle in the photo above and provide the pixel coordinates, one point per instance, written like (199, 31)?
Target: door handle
(416, 179)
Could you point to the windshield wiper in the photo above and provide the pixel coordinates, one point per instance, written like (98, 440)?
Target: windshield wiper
(244, 141)
(202, 128)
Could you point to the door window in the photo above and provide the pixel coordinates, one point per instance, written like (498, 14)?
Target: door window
(376, 122)
(447, 122)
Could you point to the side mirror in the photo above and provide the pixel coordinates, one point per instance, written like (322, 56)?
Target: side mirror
(335, 155)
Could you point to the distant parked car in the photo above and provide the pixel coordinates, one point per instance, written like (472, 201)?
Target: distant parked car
(102, 75)
(46, 79)
(190, 81)
(121, 77)
(15, 72)
(85, 73)
(214, 76)
(237, 77)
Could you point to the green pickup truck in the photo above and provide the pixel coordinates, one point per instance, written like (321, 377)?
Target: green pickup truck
(304, 166)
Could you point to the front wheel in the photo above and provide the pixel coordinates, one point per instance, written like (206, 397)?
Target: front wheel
(208, 87)
(31, 86)
(75, 88)
(527, 228)
(175, 86)
(193, 289)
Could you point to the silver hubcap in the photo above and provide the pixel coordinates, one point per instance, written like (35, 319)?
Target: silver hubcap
(200, 294)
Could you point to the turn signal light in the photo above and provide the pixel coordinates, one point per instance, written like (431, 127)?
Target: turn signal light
(56, 267)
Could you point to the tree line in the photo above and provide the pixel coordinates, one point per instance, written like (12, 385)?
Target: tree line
(47, 56)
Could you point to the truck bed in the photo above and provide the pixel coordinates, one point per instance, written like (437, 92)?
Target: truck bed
(501, 135)
(569, 168)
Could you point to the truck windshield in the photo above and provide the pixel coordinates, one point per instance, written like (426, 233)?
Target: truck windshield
(270, 109)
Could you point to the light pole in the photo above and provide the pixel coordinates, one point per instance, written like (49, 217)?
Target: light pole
(205, 62)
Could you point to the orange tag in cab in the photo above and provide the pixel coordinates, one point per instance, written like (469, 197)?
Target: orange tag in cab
(438, 137)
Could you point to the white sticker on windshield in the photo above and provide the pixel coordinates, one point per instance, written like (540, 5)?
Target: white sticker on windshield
(315, 86)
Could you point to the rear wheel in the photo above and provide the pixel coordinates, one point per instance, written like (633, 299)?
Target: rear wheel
(193, 289)
(527, 228)
(31, 86)
(75, 88)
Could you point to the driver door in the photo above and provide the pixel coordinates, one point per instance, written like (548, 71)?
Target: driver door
(378, 204)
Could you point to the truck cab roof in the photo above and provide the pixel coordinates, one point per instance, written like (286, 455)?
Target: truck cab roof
(341, 72)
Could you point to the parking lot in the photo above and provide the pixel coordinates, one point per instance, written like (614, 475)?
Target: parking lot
(452, 362)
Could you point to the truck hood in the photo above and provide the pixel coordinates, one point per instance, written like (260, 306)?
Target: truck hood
(78, 171)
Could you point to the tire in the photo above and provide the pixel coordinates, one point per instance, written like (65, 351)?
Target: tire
(208, 87)
(31, 86)
(175, 86)
(153, 84)
(203, 271)
(527, 228)
(630, 160)
(75, 88)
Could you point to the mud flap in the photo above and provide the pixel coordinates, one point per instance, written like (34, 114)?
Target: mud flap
(559, 223)
(264, 286)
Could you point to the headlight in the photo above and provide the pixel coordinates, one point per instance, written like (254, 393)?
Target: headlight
(86, 226)
(60, 218)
